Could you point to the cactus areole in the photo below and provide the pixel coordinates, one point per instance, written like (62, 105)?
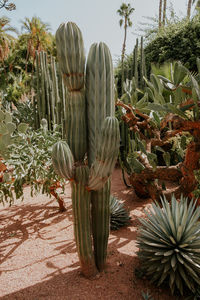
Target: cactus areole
(87, 156)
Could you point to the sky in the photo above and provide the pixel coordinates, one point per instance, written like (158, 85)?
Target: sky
(97, 19)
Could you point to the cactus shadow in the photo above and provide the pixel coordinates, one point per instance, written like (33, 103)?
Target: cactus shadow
(20, 223)
(117, 281)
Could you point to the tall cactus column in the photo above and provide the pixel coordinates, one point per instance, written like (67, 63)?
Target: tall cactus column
(72, 63)
(92, 134)
(102, 141)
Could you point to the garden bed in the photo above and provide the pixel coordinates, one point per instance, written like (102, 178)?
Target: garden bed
(39, 258)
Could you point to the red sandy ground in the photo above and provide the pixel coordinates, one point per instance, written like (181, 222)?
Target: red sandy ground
(39, 259)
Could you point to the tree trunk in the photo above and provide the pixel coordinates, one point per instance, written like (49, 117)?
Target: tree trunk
(164, 12)
(189, 8)
(160, 14)
(123, 51)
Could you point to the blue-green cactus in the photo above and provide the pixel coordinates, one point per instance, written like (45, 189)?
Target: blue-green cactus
(92, 135)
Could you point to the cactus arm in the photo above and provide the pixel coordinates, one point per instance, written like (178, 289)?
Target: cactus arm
(107, 153)
(70, 51)
(63, 161)
(101, 223)
(75, 124)
(72, 59)
(103, 143)
(81, 202)
(99, 93)
(110, 90)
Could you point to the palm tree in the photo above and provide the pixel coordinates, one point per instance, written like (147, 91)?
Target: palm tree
(5, 38)
(189, 6)
(37, 36)
(164, 12)
(125, 11)
(160, 14)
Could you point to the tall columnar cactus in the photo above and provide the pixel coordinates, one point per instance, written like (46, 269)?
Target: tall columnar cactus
(88, 155)
(142, 65)
(50, 93)
(135, 63)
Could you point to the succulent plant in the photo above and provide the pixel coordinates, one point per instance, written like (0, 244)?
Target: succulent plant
(147, 296)
(7, 128)
(169, 244)
(119, 216)
(91, 131)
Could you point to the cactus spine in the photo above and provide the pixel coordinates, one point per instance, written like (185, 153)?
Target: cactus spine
(91, 131)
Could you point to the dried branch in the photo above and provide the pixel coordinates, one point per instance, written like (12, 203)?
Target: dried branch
(6, 5)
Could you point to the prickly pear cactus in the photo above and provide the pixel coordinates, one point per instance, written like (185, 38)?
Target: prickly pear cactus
(7, 127)
(87, 156)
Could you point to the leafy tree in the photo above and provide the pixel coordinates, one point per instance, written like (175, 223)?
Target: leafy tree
(150, 28)
(36, 36)
(5, 38)
(179, 41)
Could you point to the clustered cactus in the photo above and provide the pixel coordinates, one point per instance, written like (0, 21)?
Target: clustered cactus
(50, 91)
(89, 152)
(169, 244)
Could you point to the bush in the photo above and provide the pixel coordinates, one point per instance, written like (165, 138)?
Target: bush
(178, 41)
(27, 161)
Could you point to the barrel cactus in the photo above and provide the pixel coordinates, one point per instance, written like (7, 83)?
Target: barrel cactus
(169, 244)
(89, 152)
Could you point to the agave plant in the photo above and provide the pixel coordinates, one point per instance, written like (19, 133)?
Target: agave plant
(169, 244)
(119, 216)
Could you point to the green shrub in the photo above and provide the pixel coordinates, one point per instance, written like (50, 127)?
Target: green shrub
(178, 41)
(28, 162)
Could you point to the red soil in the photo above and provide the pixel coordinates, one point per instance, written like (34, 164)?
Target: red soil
(39, 258)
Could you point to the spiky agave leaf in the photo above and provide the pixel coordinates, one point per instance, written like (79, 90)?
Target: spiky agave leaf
(119, 216)
(169, 244)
